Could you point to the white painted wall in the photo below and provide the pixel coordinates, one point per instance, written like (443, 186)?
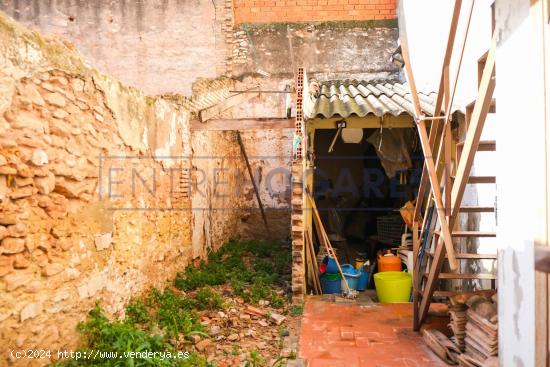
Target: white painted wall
(426, 25)
(521, 173)
(519, 128)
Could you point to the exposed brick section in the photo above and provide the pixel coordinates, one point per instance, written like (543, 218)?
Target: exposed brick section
(297, 230)
(224, 24)
(268, 11)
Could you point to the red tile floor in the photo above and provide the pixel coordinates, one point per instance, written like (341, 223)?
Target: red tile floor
(350, 334)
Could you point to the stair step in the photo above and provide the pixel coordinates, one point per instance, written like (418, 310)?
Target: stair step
(492, 107)
(465, 255)
(484, 145)
(485, 276)
(467, 276)
(469, 234)
(480, 179)
(476, 209)
(447, 294)
(483, 292)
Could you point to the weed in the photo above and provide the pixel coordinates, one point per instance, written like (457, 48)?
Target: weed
(157, 321)
(255, 360)
(118, 337)
(208, 299)
(296, 310)
(175, 314)
(277, 301)
(137, 312)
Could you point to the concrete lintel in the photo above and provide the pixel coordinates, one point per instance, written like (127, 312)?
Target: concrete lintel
(244, 124)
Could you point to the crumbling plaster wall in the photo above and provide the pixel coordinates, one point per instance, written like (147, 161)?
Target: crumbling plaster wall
(77, 226)
(270, 155)
(218, 169)
(268, 55)
(158, 46)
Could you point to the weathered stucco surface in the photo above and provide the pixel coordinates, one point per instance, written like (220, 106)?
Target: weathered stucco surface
(158, 46)
(326, 50)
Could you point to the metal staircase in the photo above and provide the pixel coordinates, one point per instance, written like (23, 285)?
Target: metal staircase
(444, 191)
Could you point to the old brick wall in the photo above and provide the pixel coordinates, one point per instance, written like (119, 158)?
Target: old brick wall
(85, 164)
(266, 11)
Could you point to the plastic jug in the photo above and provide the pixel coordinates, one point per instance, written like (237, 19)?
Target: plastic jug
(389, 262)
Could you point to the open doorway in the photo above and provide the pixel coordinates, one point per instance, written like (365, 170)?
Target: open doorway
(360, 186)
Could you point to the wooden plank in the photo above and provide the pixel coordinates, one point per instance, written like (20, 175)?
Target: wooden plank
(484, 145)
(244, 124)
(432, 174)
(477, 209)
(471, 142)
(480, 179)
(447, 177)
(256, 191)
(312, 264)
(484, 292)
(446, 294)
(447, 276)
(322, 234)
(416, 269)
(468, 256)
(469, 234)
(231, 101)
(446, 141)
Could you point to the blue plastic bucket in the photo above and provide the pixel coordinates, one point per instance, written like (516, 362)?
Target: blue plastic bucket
(363, 280)
(331, 283)
(332, 267)
(352, 276)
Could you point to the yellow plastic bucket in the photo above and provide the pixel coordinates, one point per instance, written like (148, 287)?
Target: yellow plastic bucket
(393, 286)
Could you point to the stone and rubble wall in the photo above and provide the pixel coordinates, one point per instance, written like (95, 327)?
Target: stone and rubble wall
(94, 191)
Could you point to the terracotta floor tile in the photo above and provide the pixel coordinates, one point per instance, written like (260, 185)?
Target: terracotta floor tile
(344, 334)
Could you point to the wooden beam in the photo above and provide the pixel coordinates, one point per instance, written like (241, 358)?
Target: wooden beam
(244, 124)
(231, 101)
(429, 161)
(479, 114)
(256, 191)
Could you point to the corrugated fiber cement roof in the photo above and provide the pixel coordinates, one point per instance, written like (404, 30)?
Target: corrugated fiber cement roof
(361, 98)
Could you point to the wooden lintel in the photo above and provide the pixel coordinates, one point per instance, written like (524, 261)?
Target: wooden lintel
(369, 121)
(244, 124)
(231, 101)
